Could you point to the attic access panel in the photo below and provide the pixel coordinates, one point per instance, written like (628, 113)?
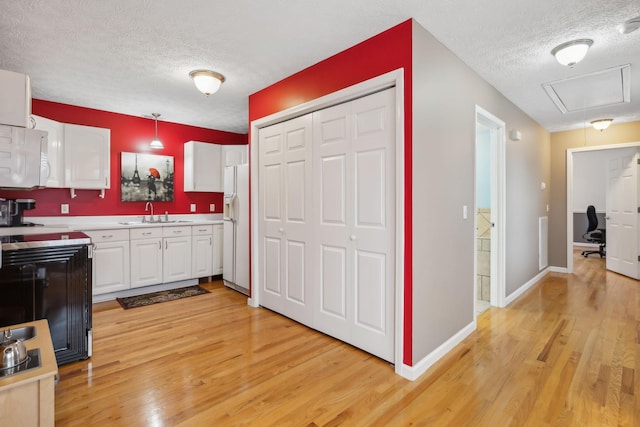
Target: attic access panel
(599, 89)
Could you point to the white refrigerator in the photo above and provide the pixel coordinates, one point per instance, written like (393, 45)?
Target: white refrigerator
(235, 256)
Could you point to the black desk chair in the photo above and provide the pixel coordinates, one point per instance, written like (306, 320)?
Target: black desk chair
(594, 234)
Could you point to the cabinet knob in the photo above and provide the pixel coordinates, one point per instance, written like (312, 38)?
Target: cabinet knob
(281, 230)
(352, 237)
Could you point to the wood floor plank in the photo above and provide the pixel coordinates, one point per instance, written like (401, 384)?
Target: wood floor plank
(566, 353)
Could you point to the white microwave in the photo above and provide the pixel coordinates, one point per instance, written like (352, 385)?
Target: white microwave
(15, 99)
(23, 157)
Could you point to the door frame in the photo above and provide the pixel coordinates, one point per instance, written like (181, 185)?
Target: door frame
(384, 81)
(569, 179)
(497, 129)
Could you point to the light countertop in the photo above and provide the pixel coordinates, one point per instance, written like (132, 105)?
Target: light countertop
(48, 366)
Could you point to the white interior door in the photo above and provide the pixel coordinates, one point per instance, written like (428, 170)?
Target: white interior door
(622, 215)
(285, 217)
(355, 235)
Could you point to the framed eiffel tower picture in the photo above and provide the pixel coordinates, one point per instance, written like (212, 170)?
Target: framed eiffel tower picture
(146, 177)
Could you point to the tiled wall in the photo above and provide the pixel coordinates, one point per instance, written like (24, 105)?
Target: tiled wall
(484, 254)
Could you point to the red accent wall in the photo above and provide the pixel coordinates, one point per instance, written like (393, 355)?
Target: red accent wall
(128, 134)
(380, 54)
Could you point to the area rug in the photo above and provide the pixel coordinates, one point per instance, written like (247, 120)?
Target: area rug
(161, 296)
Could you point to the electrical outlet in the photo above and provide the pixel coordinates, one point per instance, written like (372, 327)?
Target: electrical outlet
(193, 207)
(212, 207)
(64, 208)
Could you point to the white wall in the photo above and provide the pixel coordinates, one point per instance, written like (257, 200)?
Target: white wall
(483, 169)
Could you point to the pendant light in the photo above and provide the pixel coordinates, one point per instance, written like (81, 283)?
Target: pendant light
(207, 81)
(156, 143)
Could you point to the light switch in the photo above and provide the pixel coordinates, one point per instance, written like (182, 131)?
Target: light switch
(464, 212)
(193, 207)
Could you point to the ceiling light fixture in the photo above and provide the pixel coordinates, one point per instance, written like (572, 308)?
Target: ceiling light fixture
(207, 81)
(629, 26)
(601, 124)
(570, 53)
(156, 143)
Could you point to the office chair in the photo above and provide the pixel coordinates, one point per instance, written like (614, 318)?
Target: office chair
(594, 234)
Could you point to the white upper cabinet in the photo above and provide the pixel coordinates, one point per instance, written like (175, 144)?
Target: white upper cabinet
(202, 170)
(55, 152)
(86, 157)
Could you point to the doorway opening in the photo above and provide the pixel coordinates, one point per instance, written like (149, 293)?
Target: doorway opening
(489, 211)
(602, 162)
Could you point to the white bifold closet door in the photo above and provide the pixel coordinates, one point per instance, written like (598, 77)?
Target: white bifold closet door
(327, 221)
(285, 218)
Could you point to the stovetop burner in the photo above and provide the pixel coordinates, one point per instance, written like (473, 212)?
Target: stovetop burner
(32, 362)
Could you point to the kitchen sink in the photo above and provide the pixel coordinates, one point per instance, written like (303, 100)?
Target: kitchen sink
(171, 221)
(25, 333)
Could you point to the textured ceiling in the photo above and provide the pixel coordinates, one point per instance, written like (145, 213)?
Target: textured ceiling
(133, 57)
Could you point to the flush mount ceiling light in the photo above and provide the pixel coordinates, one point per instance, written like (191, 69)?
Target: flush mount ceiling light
(207, 81)
(601, 124)
(570, 53)
(629, 26)
(156, 143)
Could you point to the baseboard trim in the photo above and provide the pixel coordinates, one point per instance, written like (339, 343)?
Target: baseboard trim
(558, 269)
(522, 289)
(414, 372)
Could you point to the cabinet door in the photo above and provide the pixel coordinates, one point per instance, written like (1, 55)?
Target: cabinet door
(202, 256)
(146, 262)
(55, 152)
(177, 258)
(218, 236)
(86, 157)
(202, 167)
(234, 155)
(110, 267)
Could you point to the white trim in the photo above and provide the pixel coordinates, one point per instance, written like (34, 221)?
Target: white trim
(498, 208)
(390, 79)
(143, 290)
(554, 269)
(522, 289)
(413, 372)
(569, 179)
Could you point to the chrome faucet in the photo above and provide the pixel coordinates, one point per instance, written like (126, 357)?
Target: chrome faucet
(146, 208)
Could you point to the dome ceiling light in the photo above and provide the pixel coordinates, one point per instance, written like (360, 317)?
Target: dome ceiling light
(601, 124)
(207, 81)
(570, 53)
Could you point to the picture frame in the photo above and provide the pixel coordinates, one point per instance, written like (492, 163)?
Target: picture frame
(146, 177)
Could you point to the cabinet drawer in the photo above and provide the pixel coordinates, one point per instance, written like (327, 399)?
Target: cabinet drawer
(182, 230)
(202, 230)
(110, 235)
(145, 233)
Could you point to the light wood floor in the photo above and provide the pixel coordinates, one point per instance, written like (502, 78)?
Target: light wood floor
(566, 354)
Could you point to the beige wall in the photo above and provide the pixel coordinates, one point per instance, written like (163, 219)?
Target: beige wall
(560, 143)
(445, 95)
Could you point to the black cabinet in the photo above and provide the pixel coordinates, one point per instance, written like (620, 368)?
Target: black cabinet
(52, 283)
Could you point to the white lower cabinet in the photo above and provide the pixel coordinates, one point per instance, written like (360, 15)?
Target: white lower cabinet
(110, 272)
(218, 235)
(201, 250)
(176, 256)
(152, 255)
(146, 256)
